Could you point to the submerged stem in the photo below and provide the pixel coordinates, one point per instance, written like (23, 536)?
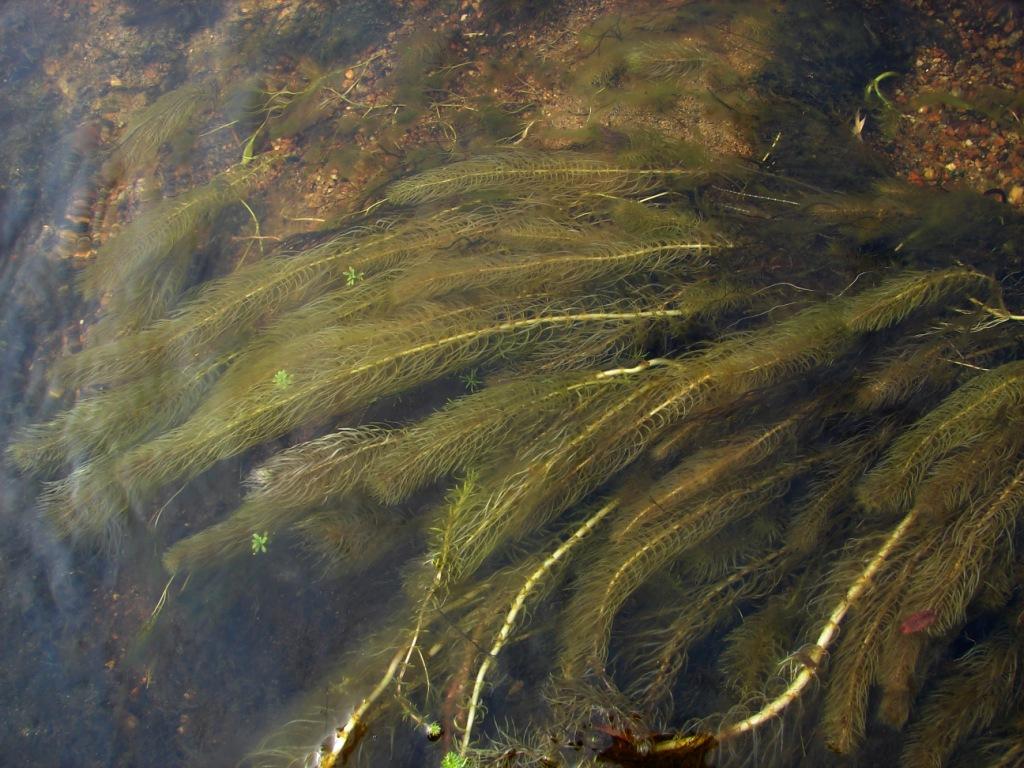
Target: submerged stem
(528, 587)
(816, 653)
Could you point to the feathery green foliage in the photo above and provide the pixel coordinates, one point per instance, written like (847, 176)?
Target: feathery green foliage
(171, 114)
(228, 310)
(575, 392)
(971, 414)
(290, 484)
(152, 235)
(525, 172)
(143, 266)
(660, 60)
(966, 700)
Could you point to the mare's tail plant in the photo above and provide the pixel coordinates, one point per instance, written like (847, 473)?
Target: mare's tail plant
(719, 442)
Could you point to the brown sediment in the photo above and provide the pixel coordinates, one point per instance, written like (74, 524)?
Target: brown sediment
(959, 107)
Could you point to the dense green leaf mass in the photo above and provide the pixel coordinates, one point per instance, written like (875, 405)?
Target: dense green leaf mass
(684, 462)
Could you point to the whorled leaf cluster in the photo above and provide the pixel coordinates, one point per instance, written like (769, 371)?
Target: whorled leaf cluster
(768, 505)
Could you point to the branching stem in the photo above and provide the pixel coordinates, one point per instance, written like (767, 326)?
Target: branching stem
(816, 653)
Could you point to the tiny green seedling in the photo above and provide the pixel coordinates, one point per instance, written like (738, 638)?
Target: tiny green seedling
(282, 379)
(454, 760)
(434, 731)
(250, 147)
(873, 88)
(259, 542)
(352, 277)
(470, 380)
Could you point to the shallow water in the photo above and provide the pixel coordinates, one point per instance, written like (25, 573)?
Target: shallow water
(79, 684)
(263, 652)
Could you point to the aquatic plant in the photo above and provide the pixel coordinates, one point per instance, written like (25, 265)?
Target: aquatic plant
(352, 276)
(142, 269)
(282, 379)
(874, 89)
(151, 128)
(633, 439)
(259, 543)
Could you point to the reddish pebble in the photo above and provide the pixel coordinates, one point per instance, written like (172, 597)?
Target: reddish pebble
(917, 621)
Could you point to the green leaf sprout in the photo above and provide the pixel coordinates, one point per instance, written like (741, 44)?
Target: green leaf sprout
(471, 380)
(282, 379)
(352, 277)
(454, 760)
(259, 542)
(873, 89)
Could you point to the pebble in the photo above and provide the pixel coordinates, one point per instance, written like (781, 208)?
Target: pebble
(1016, 195)
(946, 141)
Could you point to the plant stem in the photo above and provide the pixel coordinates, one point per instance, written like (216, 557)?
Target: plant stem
(816, 654)
(517, 605)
